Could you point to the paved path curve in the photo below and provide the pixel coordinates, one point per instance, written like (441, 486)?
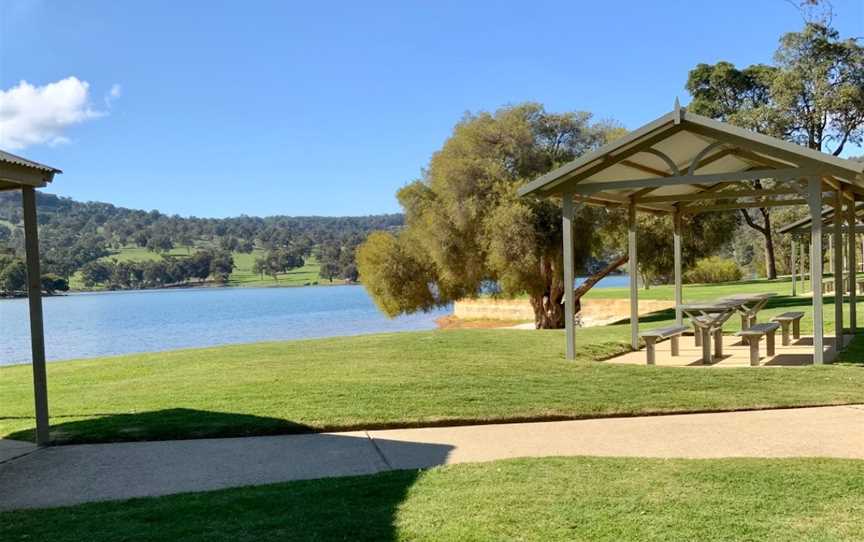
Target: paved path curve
(65, 475)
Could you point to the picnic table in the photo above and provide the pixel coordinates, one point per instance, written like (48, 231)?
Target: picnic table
(708, 318)
(749, 305)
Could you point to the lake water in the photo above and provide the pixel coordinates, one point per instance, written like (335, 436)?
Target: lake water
(112, 323)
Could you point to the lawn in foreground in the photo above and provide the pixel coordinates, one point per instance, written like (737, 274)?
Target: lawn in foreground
(596, 499)
(389, 380)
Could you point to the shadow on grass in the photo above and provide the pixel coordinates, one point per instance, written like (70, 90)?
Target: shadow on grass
(168, 424)
(854, 353)
(361, 506)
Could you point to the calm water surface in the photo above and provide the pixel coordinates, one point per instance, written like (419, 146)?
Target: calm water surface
(104, 324)
(112, 323)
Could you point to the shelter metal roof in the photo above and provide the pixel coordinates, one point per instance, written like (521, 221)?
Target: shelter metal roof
(17, 172)
(684, 157)
(802, 226)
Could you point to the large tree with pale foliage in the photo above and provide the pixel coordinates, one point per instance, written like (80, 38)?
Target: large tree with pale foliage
(466, 227)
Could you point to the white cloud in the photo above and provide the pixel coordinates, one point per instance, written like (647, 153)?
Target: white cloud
(33, 115)
(113, 94)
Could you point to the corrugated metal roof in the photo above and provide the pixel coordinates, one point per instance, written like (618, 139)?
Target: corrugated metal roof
(682, 153)
(803, 225)
(17, 160)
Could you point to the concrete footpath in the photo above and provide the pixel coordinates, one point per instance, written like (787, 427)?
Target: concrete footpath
(64, 475)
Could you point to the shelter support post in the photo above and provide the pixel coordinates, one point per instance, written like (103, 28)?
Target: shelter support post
(845, 252)
(837, 269)
(831, 244)
(569, 277)
(634, 274)
(794, 252)
(37, 334)
(676, 222)
(853, 267)
(814, 201)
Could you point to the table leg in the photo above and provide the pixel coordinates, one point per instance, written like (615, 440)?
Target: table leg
(745, 321)
(718, 343)
(706, 346)
(769, 343)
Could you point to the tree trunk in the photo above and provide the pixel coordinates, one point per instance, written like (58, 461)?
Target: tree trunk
(770, 258)
(765, 230)
(549, 308)
(548, 311)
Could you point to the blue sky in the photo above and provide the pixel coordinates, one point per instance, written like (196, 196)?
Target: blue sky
(299, 108)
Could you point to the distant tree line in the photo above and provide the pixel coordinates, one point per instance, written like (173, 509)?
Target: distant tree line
(74, 235)
(337, 258)
(170, 271)
(13, 278)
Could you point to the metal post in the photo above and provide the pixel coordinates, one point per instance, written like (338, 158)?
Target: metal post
(793, 264)
(853, 267)
(569, 277)
(814, 201)
(634, 273)
(801, 264)
(37, 334)
(676, 227)
(838, 270)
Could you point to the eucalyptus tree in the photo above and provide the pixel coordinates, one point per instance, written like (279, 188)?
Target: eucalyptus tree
(812, 95)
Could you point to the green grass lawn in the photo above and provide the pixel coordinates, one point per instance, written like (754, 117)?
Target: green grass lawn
(244, 276)
(699, 292)
(553, 499)
(391, 380)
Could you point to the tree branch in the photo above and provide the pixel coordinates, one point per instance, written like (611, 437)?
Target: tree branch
(839, 149)
(752, 223)
(596, 277)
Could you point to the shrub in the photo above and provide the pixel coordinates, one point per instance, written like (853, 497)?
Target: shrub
(51, 283)
(713, 269)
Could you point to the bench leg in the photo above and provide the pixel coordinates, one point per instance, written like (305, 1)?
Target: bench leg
(784, 326)
(675, 346)
(649, 350)
(769, 343)
(754, 350)
(706, 346)
(718, 343)
(796, 329)
(697, 335)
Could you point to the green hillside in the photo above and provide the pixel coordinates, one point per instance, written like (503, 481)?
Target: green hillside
(243, 274)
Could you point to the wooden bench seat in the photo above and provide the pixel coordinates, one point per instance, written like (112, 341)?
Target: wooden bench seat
(654, 335)
(754, 334)
(784, 320)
